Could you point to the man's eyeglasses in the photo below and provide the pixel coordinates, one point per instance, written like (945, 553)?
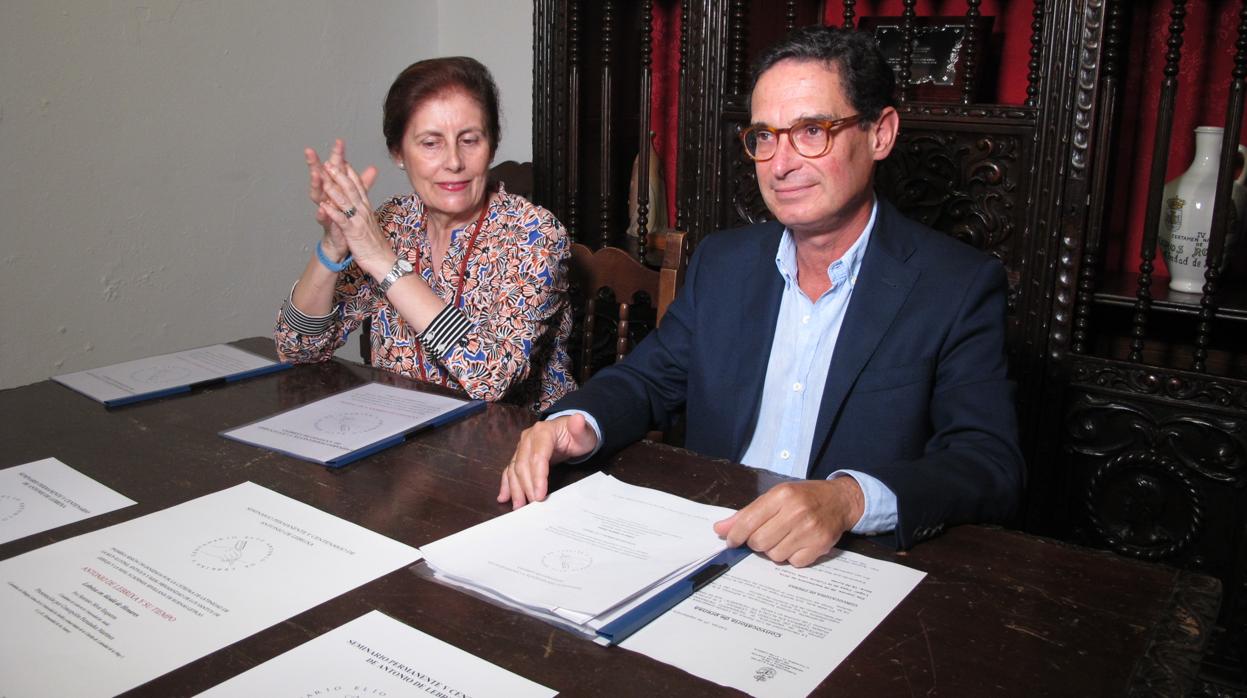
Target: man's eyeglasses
(811, 138)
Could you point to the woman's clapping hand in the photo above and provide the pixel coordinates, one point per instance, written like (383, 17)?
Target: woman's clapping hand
(334, 242)
(346, 206)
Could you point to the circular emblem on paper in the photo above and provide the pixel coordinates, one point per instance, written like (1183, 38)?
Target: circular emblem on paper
(342, 692)
(232, 553)
(160, 374)
(765, 673)
(566, 560)
(10, 507)
(347, 423)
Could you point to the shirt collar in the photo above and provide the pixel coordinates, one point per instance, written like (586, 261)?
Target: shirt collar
(847, 267)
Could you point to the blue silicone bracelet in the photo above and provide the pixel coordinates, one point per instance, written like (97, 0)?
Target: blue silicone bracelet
(329, 264)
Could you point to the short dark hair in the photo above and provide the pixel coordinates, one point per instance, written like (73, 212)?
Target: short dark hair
(430, 78)
(868, 81)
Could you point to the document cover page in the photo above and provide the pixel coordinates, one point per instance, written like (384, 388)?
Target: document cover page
(103, 612)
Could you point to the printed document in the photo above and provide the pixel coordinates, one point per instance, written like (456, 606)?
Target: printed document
(160, 375)
(375, 655)
(47, 493)
(103, 612)
(775, 630)
(352, 423)
(587, 549)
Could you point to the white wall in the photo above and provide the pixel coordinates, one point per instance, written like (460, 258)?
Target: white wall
(152, 189)
(498, 33)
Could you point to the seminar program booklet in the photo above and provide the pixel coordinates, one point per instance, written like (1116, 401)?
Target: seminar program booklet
(375, 655)
(103, 612)
(42, 495)
(345, 427)
(158, 376)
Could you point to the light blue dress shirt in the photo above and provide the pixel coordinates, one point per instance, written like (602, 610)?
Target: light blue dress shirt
(805, 339)
(806, 331)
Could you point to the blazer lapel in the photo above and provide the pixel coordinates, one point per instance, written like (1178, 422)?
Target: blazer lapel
(761, 288)
(883, 284)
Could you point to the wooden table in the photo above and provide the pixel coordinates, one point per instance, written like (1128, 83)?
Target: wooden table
(999, 613)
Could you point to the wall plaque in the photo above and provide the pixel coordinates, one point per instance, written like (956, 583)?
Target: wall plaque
(938, 68)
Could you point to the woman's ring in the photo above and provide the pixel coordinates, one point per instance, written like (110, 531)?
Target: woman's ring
(349, 212)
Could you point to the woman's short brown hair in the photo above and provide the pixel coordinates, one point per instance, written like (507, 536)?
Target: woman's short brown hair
(433, 77)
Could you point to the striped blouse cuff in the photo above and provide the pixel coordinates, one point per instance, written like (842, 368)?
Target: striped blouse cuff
(301, 322)
(449, 328)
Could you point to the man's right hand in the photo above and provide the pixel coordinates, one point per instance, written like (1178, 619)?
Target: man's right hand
(526, 479)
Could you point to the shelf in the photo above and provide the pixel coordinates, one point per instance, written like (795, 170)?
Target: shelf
(1120, 289)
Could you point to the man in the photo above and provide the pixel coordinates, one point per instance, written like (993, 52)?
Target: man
(843, 343)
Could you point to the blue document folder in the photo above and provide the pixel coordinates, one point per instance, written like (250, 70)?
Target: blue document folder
(619, 629)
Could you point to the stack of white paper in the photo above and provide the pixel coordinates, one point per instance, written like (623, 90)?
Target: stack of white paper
(588, 553)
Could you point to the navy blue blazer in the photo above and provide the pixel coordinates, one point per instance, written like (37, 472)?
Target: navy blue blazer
(917, 393)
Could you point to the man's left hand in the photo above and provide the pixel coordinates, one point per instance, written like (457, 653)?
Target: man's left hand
(796, 522)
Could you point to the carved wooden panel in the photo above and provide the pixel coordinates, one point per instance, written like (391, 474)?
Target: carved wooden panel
(743, 203)
(965, 184)
(1153, 477)
(703, 87)
(1169, 384)
(551, 98)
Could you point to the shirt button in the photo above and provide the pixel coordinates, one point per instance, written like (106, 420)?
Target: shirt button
(796, 387)
(805, 320)
(784, 454)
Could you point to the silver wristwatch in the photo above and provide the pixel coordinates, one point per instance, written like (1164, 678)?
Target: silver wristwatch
(400, 269)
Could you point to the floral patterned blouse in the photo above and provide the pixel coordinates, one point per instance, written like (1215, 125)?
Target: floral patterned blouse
(514, 300)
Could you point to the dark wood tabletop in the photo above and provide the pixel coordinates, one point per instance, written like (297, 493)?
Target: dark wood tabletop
(999, 612)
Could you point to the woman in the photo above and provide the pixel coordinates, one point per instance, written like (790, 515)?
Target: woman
(466, 286)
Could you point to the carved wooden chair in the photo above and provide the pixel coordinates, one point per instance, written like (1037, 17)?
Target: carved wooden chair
(517, 176)
(615, 291)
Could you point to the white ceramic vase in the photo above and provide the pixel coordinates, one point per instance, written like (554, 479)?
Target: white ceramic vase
(1186, 213)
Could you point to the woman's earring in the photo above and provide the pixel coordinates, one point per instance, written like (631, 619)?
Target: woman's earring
(401, 166)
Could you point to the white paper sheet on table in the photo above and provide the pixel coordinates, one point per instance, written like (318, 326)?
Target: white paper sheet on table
(156, 376)
(103, 612)
(589, 547)
(375, 655)
(45, 494)
(775, 630)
